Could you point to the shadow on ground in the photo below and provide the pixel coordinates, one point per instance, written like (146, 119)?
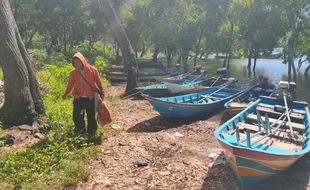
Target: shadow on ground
(158, 123)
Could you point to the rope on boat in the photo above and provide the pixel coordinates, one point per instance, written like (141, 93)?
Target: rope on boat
(131, 95)
(215, 81)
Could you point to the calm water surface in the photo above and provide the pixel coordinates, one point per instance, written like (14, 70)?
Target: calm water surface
(272, 68)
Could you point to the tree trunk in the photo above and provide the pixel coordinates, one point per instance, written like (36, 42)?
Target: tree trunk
(23, 102)
(123, 42)
(197, 48)
(143, 51)
(156, 52)
(294, 72)
(290, 57)
(169, 58)
(307, 69)
(225, 59)
(250, 59)
(230, 43)
(255, 60)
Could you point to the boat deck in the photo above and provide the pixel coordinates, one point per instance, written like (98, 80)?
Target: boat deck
(253, 131)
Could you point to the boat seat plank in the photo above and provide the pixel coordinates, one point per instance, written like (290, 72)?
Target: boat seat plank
(275, 143)
(297, 126)
(270, 110)
(279, 134)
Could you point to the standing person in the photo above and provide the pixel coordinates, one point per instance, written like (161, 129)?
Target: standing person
(84, 80)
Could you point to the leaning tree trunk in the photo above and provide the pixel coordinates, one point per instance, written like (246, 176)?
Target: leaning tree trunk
(130, 62)
(23, 101)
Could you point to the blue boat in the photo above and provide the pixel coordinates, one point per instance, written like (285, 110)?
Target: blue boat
(196, 85)
(266, 138)
(243, 100)
(194, 104)
(180, 87)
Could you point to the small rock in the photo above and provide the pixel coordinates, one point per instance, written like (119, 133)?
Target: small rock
(219, 162)
(107, 151)
(186, 162)
(39, 135)
(140, 162)
(164, 173)
(177, 134)
(27, 128)
(122, 144)
(213, 155)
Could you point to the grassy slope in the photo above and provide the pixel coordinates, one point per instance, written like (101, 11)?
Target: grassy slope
(60, 159)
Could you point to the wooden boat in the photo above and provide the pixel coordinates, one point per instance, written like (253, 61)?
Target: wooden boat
(155, 90)
(143, 76)
(196, 74)
(243, 100)
(180, 87)
(194, 104)
(194, 85)
(186, 76)
(265, 138)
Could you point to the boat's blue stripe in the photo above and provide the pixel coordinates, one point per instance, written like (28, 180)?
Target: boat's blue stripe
(255, 165)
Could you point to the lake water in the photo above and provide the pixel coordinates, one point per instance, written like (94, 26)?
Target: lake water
(272, 68)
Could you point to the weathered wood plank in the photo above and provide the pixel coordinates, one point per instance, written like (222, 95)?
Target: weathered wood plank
(297, 126)
(270, 110)
(274, 142)
(278, 134)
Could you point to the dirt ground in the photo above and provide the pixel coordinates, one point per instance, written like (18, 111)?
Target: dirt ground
(147, 152)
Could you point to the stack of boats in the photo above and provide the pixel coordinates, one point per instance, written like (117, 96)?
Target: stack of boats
(266, 137)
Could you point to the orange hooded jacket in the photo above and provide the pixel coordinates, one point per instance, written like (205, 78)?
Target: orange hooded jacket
(78, 84)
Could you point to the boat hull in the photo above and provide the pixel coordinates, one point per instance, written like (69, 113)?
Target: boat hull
(252, 166)
(255, 154)
(170, 108)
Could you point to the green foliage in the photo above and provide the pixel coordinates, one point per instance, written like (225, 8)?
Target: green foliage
(37, 54)
(97, 49)
(59, 159)
(57, 58)
(101, 63)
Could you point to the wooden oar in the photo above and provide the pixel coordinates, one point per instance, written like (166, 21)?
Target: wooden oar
(288, 116)
(215, 81)
(243, 93)
(207, 96)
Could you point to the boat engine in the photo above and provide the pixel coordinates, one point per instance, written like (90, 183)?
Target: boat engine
(287, 89)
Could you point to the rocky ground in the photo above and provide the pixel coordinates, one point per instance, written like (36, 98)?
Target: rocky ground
(147, 152)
